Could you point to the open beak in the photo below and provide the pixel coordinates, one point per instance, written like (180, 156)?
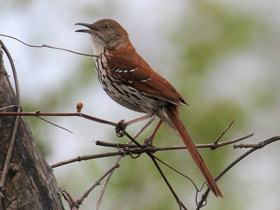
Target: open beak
(90, 26)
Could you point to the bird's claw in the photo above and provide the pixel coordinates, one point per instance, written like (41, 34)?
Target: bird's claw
(120, 128)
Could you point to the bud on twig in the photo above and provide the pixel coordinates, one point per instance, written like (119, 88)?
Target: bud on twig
(79, 107)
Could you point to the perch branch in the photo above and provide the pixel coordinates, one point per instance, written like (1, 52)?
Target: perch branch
(178, 147)
(138, 150)
(77, 114)
(134, 149)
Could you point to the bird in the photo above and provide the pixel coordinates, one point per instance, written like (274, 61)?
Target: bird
(129, 80)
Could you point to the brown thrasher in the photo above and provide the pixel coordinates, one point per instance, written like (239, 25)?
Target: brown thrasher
(131, 82)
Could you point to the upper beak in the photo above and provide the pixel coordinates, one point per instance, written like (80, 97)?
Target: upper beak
(90, 26)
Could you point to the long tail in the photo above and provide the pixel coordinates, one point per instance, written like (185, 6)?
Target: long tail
(173, 116)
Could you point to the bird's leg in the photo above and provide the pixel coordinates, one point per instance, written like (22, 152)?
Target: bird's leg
(121, 126)
(149, 141)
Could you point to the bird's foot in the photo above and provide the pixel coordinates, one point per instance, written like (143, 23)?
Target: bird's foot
(120, 128)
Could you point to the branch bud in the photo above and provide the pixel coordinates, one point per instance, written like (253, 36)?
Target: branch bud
(79, 107)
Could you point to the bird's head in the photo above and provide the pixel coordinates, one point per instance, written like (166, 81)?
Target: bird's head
(106, 33)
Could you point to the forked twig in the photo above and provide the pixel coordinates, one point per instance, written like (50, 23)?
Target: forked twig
(80, 200)
(224, 132)
(68, 198)
(47, 46)
(179, 202)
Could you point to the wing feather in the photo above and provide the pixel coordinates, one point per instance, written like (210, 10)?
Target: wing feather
(131, 68)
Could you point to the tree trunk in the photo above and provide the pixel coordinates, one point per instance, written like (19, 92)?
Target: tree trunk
(30, 182)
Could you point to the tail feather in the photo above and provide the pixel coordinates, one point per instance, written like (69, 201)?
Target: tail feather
(173, 116)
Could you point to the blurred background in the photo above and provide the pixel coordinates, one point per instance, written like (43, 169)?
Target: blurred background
(222, 56)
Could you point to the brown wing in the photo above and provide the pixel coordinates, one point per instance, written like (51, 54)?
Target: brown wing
(129, 67)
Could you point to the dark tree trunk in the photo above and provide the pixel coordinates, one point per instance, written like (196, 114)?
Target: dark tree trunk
(30, 183)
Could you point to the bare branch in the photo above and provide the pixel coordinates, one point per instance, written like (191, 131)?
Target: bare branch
(47, 46)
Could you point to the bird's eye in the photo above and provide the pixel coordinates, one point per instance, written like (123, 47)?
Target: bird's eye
(106, 27)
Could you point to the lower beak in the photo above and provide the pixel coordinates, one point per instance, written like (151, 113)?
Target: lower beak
(90, 26)
(83, 30)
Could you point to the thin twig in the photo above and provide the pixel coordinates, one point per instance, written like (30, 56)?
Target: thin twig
(106, 184)
(261, 145)
(86, 157)
(224, 132)
(6, 107)
(178, 172)
(55, 124)
(80, 201)
(14, 72)
(47, 46)
(167, 183)
(248, 145)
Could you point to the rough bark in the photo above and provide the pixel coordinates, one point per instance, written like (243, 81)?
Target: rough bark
(30, 183)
